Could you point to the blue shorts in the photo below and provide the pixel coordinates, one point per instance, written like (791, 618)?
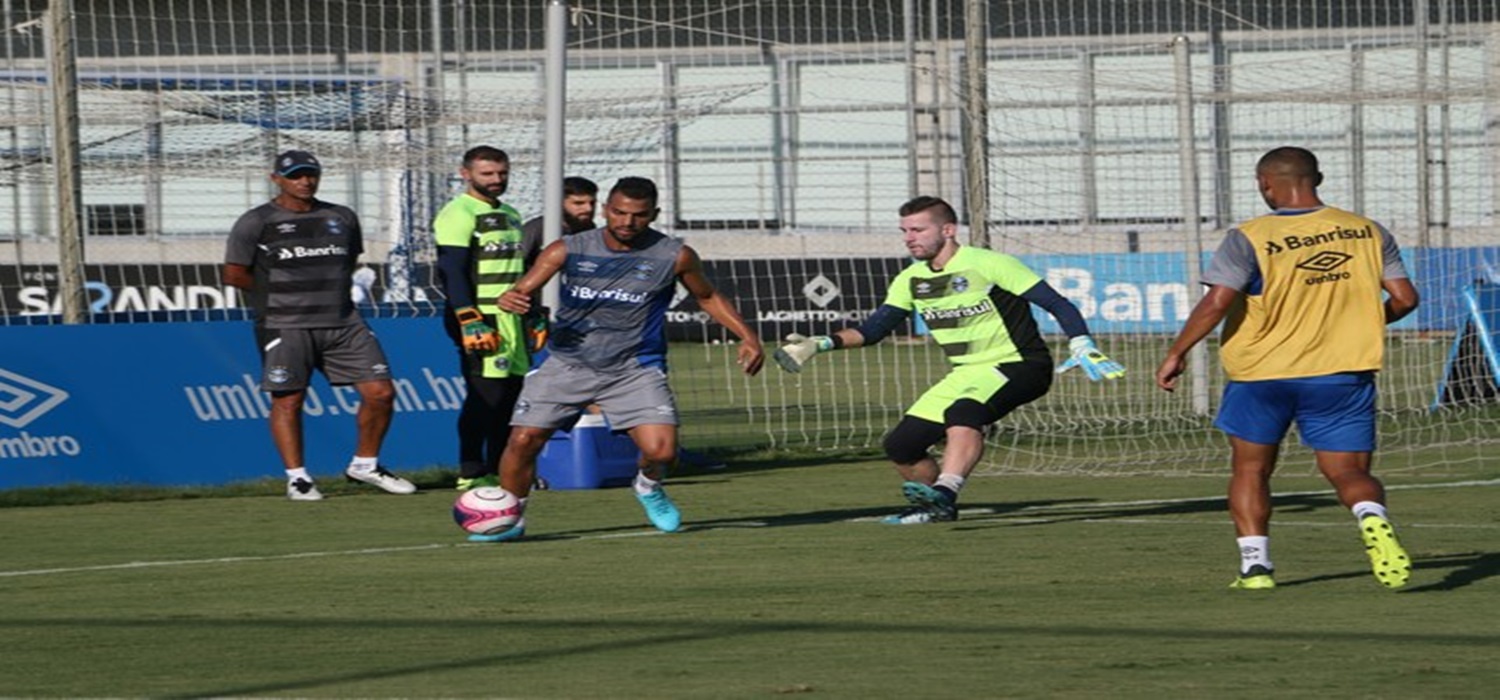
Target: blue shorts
(1334, 413)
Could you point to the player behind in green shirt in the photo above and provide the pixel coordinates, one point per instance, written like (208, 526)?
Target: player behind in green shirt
(977, 305)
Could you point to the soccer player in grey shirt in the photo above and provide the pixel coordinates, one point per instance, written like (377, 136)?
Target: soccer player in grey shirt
(609, 346)
(294, 258)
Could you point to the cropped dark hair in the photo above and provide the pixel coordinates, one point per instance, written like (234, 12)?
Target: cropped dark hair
(943, 212)
(1291, 160)
(489, 153)
(638, 188)
(579, 185)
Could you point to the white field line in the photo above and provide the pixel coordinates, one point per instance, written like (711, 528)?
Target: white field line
(282, 557)
(219, 560)
(752, 523)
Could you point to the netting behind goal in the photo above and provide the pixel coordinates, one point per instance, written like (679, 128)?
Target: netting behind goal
(1120, 139)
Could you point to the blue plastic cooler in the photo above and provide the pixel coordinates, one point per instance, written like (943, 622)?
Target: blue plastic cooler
(588, 457)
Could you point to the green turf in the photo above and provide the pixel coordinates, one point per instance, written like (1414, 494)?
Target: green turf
(1048, 587)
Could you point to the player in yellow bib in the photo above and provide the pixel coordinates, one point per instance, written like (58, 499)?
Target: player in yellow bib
(1307, 291)
(976, 304)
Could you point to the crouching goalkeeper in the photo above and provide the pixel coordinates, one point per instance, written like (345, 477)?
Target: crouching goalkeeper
(976, 304)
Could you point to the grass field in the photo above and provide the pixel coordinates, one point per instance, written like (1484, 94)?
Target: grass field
(781, 584)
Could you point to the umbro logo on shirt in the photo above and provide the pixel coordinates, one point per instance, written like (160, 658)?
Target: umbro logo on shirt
(1325, 261)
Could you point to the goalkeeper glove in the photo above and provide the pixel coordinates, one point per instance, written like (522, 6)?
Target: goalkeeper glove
(1094, 363)
(799, 349)
(537, 326)
(476, 334)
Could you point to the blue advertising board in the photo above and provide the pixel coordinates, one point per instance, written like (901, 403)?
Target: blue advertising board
(178, 403)
(1149, 293)
(1124, 293)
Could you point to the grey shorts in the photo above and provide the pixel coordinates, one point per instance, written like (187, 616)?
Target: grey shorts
(555, 394)
(347, 355)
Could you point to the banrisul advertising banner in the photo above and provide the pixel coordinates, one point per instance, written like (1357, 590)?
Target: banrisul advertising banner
(1124, 293)
(178, 403)
(1119, 293)
(1141, 293)
(31, 290)
(777, 297)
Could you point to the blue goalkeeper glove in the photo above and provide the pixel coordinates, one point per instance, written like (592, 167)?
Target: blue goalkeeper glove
(1095, 364)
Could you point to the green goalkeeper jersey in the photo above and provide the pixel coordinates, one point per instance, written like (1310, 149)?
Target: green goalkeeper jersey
(973, 307)
(493, 236)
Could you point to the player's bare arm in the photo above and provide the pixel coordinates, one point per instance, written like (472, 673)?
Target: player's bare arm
(1211, 309)
(689, 271)
(238, 276)
(1402, 298)
(517, 299)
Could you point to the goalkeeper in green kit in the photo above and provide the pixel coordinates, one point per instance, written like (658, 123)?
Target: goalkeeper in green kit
(481, 252)
(977, 305)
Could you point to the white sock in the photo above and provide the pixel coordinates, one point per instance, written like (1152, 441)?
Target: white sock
(298, 473)
(1254, 550)
(1367, 508)
(644, 484)
(521, 521)
(364, 464)
(952, 482)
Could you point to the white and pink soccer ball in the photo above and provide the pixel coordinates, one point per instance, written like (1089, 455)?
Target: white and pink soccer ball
(488, 510)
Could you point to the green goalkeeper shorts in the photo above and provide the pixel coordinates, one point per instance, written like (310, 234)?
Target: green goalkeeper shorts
(1028, 381)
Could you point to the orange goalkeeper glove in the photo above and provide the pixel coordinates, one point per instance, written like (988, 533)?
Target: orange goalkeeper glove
(537, 326)
(476, 333)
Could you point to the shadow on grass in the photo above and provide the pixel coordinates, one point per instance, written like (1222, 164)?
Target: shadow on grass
(636, 634)
(982, 515)
(1463, 570)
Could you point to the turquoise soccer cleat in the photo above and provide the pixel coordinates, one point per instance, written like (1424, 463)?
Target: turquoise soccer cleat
(515, 533)
(940, 504)
(660, 510)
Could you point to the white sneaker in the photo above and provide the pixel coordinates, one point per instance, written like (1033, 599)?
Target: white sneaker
(303, 489)
(382, 478)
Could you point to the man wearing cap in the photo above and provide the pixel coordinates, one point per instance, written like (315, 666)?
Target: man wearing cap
(294, 258)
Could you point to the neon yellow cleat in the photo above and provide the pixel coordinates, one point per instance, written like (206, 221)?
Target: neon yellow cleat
(477, 482)
(1258, 578)
(1388, 560)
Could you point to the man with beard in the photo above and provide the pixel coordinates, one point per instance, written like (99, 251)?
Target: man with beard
(609, 345)
(580, 198)
(481, 252)
(977, 305)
